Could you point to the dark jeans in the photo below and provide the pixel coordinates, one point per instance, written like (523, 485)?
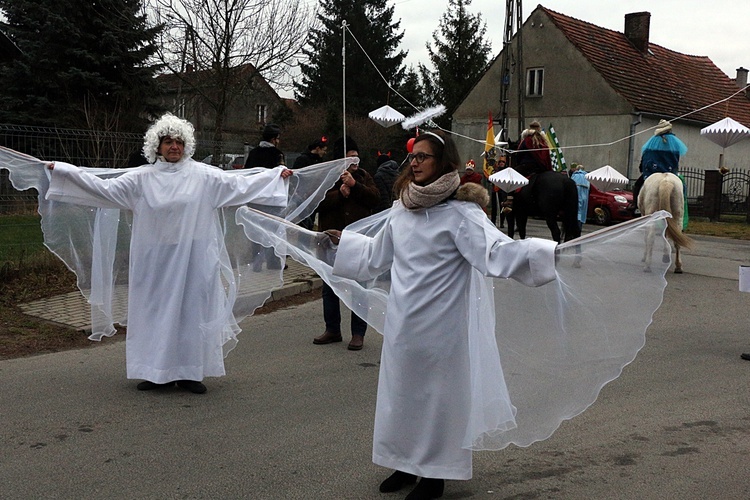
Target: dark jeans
(332, 314)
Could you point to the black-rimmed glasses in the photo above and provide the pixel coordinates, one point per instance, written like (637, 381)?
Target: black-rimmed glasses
(420, 157)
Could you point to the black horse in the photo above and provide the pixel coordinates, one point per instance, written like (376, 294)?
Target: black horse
(549, 195)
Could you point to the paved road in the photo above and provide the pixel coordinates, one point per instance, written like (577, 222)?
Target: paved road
(294, 421)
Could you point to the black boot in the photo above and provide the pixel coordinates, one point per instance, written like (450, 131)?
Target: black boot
(192, 385)
(147, 385)
(427, 489)
(396, 481)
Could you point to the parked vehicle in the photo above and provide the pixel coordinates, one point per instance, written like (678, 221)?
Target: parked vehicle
(614, 206)
(229, 161)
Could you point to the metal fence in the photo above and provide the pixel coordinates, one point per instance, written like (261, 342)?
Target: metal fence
(695, 179)
(94, 148)
(20, 234)
(735, 188)
(89, 148)
(735, 191)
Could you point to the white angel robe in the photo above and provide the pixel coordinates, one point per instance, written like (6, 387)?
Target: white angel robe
(179, 315)
(424, 389)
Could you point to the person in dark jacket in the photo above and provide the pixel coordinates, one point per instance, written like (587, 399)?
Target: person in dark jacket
(384, 178)
(267, 154)
(315, 153)
(352, 198)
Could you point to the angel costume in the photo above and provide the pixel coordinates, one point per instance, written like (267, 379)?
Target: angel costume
(163, 239)
(452, 378)
(177, 317)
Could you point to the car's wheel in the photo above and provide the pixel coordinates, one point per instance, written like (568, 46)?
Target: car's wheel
(602, 216)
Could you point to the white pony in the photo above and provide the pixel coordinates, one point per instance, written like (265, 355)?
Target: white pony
(663, 191)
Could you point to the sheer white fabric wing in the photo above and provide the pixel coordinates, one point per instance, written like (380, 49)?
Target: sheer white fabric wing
(559, 344)
(94, 243)
(316, 251)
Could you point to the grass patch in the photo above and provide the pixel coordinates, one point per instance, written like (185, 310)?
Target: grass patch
(22, 245)
(735, 228)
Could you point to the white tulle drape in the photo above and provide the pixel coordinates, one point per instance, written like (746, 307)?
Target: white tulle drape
(94, 242)
(558, 344)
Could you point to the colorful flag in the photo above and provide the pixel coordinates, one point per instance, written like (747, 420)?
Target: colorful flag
(555, 153)
(489, 149)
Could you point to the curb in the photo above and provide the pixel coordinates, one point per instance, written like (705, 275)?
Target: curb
(71, 309)
(295, 288)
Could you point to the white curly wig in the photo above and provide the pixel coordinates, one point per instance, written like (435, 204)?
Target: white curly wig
(172, 126)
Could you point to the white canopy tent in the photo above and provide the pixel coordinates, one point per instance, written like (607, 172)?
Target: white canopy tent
(725, 133)
(386, 116)
(606, 178)
(508, 179)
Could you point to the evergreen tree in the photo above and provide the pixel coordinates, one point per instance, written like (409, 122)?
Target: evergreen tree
(460, 57)
(84, 64)
(371, 22)
(412, 91)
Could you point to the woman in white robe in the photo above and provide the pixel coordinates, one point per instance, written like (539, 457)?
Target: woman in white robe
(179, 315)
(431, 242)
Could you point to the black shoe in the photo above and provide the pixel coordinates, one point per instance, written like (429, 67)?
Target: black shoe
(427, 489)
(745, 355)
(396, 481)
(192, 386)
(148, 386)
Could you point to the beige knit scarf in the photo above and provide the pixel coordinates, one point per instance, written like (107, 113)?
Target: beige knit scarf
(415, 196)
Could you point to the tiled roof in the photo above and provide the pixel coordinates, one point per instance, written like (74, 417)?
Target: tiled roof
(172, 81)
(662, 82)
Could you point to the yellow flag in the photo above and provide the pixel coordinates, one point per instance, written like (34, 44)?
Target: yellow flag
(489, 149)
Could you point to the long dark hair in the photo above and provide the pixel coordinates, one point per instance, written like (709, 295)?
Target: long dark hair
(446, 156)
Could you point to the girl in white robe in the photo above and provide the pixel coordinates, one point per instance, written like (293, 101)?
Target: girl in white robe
(431, 242)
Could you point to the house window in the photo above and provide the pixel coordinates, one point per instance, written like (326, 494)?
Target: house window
(180, 105)
(535, 82)
(260, 113)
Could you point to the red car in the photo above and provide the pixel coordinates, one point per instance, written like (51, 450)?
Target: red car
(615, 206)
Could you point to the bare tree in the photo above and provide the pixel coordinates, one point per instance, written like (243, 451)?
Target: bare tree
(229, 43)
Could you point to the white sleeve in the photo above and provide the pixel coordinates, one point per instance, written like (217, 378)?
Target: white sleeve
(360, 257)
(72, 184)
(530, 261)
(260, 188)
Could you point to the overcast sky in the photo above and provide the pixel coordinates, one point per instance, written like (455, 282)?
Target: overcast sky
(695, 27)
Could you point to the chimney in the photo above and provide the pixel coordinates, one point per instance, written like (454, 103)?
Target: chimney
(637, 29)
(741, 79)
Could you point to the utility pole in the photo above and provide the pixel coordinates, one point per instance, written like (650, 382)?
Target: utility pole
(513, 24)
